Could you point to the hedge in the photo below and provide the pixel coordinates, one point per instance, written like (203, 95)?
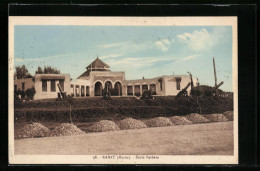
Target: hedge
(151, 108)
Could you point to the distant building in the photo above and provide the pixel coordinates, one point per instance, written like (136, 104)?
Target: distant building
(98, 77)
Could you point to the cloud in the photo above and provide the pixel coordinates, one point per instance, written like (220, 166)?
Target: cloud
(114, 45)
(202, 39)
(187, 58)
(111, 56)
(163, 44)
(129, 46)
(38, 59)
(197, 40)
(18, 59)
(133, 62)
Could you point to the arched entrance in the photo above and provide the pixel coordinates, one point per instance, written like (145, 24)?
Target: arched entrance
(108, 86)
(144, 88)
(118, 89)
(98, 89)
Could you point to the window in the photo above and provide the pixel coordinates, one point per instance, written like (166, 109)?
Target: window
(178, 83)
(62, 84)
(15, 87)
(23, 85)
(44, 85)
(129, 90)
(53, 86)
(153, 88)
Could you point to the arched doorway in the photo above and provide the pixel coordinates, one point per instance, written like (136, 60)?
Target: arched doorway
(144, 88)
(118, 89)
(108, 86)
(98, 89)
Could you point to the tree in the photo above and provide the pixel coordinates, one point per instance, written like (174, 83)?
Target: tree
(47, 70)
(50, 70)
(30, 92)
(39, 71)
(21, 72)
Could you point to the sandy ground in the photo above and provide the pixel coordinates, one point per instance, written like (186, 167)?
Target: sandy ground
(196, 139)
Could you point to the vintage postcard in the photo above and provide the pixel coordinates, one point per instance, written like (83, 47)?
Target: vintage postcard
(123, 90)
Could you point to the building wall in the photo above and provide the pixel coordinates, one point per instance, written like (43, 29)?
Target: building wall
(103, 77)
(76, 87)
(28, 83)
(49, 94)
(171, 84)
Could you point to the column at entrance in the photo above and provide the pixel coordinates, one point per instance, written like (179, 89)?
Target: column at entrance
(79, 90)
(85, 92)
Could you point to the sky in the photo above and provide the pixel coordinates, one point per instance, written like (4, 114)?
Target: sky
(139, 51)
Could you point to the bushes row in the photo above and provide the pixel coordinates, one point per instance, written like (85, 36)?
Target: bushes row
(92, 113)
(128, 102)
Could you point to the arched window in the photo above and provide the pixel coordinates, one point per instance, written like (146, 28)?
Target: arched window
(130, 90)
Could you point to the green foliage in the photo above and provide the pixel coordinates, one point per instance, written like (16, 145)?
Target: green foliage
(39, 71)
(93, 109)
(21, 72)
(147, 95)
(47, 70)
(22, 93)
(30, 92)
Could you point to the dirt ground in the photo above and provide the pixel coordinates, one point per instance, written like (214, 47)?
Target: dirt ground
(196, 139)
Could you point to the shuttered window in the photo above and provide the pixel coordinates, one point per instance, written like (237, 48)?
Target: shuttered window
(44, 85)
(178, 83)
(53, 86)
(23, 86)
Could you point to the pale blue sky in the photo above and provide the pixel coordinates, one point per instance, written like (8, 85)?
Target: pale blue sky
(148, 51)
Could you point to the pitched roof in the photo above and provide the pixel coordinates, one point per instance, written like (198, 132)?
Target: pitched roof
(85, 74)
(97, 63)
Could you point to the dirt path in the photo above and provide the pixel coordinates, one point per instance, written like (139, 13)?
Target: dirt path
(196, 139)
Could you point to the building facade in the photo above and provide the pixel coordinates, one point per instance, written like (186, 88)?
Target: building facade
(98, 78)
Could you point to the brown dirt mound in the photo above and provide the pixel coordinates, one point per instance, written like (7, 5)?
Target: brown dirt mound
(159, 122)
(216, 117)
(229, 115)
(33, 130)
(130, 123)
(103, 125)
(180, 120)
(66, 129)
(196, 118)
